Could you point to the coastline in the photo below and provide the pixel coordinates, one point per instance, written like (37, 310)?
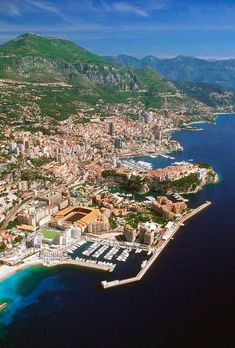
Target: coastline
(223, 113)
(171, 130)
(8, 271)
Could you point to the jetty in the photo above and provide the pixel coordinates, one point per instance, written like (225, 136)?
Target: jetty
(102, 267)
(109, 284)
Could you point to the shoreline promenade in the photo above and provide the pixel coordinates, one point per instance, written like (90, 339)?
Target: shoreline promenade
(7, 271)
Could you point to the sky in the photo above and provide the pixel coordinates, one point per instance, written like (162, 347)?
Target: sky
(163, 28)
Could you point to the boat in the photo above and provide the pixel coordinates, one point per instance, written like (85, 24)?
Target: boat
(143, 263)
(151, 199)
(179, 163)
(180, 198)
(124, 194)
(168, 157)
(145, 164)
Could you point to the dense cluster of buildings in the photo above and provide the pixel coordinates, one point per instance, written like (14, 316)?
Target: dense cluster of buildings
(167, 208)
(43, 175)
(146, 233)
(79, 147)
(177, 171)
(40, 211)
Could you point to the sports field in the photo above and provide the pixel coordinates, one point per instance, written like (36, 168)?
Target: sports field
(50, 234)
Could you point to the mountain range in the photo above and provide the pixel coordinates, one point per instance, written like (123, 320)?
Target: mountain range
(38, 62)
(181, 68)
(35, 58)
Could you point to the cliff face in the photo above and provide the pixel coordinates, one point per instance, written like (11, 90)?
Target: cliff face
(109, 76)
(132, 183)
(187, 184)
(40, 69)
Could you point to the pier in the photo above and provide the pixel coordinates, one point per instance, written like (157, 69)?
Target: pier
(98, 266)
(105, 284)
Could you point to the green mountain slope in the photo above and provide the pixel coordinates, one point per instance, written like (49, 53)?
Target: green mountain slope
(123, 59)
(35, 58)
(88, 81)
(214, 96)
(28, 45)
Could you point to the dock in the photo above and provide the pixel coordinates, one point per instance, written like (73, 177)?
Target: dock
(105, 284)
(98, 266)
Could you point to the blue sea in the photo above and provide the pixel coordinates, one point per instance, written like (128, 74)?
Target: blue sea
(185, 300)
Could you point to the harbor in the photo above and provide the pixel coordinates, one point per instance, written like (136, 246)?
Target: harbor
(83, 263)
(103, 255)
(109, 253)
(109, 284)
(88, 252)
(140, 166)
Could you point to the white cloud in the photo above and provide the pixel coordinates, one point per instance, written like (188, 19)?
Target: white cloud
(127, 8)
(9, 8)
(42, 5)
(75, 27)
(118, 6)
(19, 7)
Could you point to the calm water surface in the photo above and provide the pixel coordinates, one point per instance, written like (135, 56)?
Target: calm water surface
(186, 299)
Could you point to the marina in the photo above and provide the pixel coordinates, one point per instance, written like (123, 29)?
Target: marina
(140, 166)
(179, 163)
(146, 264)
(85, 263)
(178, 197)
(98, 254)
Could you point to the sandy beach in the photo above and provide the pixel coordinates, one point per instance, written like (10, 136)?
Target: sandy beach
(7, 271)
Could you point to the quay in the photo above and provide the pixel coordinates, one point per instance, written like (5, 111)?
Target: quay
(105, 284)
(98, 266)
